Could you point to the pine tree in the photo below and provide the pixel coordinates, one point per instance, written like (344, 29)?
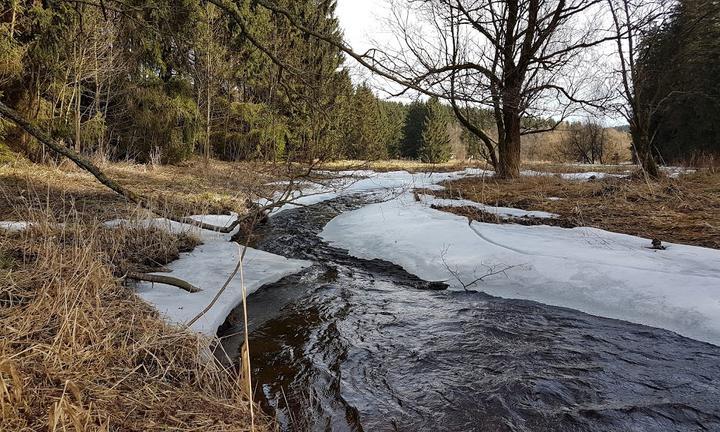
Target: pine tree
(366, 137)
(435, 138)
(393, 123)
(412, 132)
(679, 67)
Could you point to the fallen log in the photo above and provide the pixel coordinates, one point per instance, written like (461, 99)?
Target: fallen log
(168, 280)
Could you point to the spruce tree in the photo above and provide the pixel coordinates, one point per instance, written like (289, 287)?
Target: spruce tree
(678, 70)
(412, 132)
(435, 138)
(393, 121)
(365, 138)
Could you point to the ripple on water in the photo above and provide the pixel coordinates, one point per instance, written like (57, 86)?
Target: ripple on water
(352, 344)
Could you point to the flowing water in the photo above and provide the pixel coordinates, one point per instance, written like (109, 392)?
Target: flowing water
(361, 345)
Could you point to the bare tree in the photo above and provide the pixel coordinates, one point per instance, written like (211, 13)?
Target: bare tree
(584, 142)
(632, 19)
(522, 59)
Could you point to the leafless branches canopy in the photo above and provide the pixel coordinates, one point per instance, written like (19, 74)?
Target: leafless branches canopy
(631, 19)
(520, 58)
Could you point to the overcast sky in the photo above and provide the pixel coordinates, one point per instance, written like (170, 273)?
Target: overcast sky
(361, 21)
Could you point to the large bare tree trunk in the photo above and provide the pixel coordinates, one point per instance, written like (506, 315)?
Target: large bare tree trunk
(509, 146)
(509, 149)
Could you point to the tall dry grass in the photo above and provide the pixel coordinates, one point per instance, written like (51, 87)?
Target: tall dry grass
(80, 352)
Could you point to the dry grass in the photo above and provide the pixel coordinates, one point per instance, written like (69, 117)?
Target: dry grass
(402, 165)
(458, 165)
(684, 210)
(122, 249)
(193, 188)
(557, 167)
(479, 215)
(550, 146)
(80, 352)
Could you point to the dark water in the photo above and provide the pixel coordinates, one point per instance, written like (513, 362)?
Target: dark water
(353, 344)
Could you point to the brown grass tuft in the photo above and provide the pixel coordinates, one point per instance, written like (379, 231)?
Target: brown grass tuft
(683, 210)
(80, 352)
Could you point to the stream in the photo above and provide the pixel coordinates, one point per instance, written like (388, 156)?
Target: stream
(361, 345)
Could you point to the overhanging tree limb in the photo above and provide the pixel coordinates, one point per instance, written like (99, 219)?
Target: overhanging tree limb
(85, 164)
(69, 153)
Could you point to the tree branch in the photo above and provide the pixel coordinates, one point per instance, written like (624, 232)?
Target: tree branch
(162, 279)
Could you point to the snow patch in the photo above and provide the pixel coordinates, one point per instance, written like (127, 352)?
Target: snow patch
(675, 171)
(14, 226)
(591, 270)
(592, 175)
(207, 267)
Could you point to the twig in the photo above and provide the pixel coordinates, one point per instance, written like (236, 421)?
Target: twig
(220, 291)
(456, 273)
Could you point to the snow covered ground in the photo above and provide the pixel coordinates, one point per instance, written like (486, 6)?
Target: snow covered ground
(396, 182)
(364, 181)
(14, 226)
(207, 267)
(595, 271)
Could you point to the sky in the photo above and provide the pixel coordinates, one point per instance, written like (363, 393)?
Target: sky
(361, 21)
(358, 19)
(363, 24)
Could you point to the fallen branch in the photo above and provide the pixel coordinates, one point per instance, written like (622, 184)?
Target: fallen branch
(84, 163)
(491, 271)
(211, 227)
(167, 280)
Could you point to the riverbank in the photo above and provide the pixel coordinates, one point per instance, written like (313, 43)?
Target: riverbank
(413, 166)
(367, 344)
(191, 188)
(80, 350)
(684, 209)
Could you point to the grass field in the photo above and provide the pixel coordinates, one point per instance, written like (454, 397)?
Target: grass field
(683, 210)
(191, 188)
(81, 352)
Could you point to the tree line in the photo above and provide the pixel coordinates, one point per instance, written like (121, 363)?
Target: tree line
(266, 80)
(678, 80)
(163, 80)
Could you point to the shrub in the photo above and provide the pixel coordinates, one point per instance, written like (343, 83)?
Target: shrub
(164, 119)
(249, 131)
